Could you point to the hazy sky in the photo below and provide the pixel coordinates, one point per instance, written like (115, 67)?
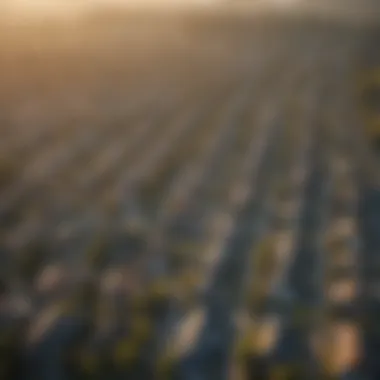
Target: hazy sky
(80, 3)
(62, 7)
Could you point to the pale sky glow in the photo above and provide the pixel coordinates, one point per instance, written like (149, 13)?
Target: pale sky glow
(80, 4)
(53, 4)
(62, 8)
(71, 7)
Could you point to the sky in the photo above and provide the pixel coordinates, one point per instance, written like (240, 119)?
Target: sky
(62, 8)
(45, 4)
(39, 5)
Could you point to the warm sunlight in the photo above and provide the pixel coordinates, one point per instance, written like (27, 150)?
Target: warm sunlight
(70, 4)
(62, 8)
